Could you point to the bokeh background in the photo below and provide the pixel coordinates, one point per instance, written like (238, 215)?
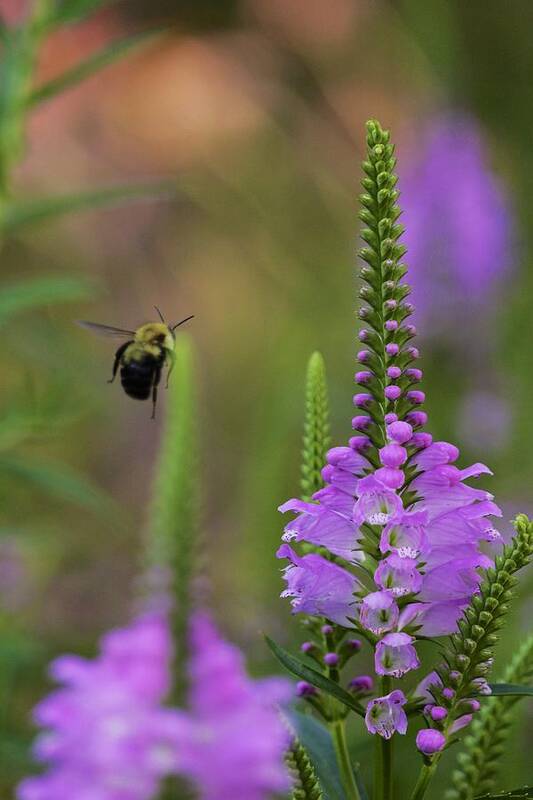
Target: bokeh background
(252, 111)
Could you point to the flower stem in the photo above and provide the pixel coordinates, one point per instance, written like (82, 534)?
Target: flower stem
(384, 771)
(343, 760)
(424, 778)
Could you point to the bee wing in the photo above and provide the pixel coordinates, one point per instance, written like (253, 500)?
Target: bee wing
(105, 330)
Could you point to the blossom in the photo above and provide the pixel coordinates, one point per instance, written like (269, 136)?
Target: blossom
(385, 715)
(378, 612)
(430, 741)
(232, 739)
(395, 655)
(107, 735)
(458, 223)
(318, 586)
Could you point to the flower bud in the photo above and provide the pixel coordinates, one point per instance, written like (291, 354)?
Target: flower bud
(361, 684)
(430, 741)
(304, 689)
(331, 659)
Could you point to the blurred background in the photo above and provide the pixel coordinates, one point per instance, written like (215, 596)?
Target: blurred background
(252, 112)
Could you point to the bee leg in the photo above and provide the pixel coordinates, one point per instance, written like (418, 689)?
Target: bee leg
(172, 359)
(157, 378)
(116, 362)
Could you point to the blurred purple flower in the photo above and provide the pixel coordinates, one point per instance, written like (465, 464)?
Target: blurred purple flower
(458, 223)
(485, 421)
(232, 740)
(107, 736)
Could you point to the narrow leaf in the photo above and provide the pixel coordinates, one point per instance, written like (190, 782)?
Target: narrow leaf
(67, 11)
(97, 61)
(26, 212)
(30, 294)
(514, 794)
(309, 674)
(57, 480)
(317, 741)
(511, 689)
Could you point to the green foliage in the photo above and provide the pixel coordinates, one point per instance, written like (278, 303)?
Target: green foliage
(19, 213)
(511, 690)
(484, 746)
(318, 744)
(64, 12)
(514, 794)
(383, 272)
(34, 293)
(174, 525)
(316, 426)
(306, 785)
(57, 480)
(90, 66)
(311, 675)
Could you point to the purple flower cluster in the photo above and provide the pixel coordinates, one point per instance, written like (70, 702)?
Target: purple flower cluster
(107, 736)
(458, 223)
(394, 507)
(232, 740)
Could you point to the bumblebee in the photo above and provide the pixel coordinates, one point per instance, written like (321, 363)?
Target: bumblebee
(142, 357)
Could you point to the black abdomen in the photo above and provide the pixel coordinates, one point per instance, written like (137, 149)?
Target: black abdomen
(137, 377)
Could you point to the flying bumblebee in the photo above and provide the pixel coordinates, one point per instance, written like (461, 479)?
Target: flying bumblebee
(142, 357)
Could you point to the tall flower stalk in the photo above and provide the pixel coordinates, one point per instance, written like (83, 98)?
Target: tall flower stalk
(396, 546)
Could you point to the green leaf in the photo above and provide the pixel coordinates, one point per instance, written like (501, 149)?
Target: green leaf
(318, 744)
(96, 62)
(309, 674)
(57, 480)
(511, 689)
(30, 294)
(67, 11)
(514, 794)
(26, 212)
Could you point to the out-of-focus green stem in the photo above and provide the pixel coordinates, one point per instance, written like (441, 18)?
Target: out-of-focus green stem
(19, 55)
(343, 758)
(424, 778)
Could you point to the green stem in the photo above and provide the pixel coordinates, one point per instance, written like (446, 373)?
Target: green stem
(386, 761)
(424, 778)
(343, 759)
(384, 771)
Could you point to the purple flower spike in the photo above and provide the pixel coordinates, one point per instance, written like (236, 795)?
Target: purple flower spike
(232, 738)
(430, 741)
(378, 612)
(106, 725)
(395, 655)
(318, 586)
(469, 250)
(385, 715)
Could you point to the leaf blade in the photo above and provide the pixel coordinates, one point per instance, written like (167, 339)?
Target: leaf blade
(311, 675)
(103, 58)
(318, 744)
(511, 690)
(20, 213)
